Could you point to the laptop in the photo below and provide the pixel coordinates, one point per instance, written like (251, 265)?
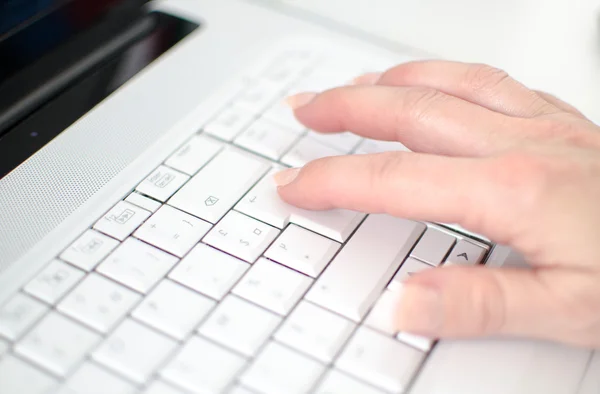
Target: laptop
(143, 248)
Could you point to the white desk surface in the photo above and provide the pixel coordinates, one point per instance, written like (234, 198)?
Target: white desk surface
(553, 45)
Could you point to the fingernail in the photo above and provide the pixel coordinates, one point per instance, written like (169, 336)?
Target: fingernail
(300, 99)
(286, 177)
(367, 79)
(420, 310)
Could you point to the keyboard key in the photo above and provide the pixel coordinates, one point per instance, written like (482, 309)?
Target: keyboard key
(272, 286)
(287, 67)
(91, 248)
(160, 387)
(307, 150)
(281, 114)
(209, 271)
(54, 281)
(241, 390)
(433, 246)
(420, 342)
(229, 123)
(162, 183)
(137, 265)
(57, 343)
(240, 325)
(91, 379)
(203, 367)
(382, 361)
(315, 331)
(173, 309)
(303, 250)
(16, 376)
(241, 236)
(143, 202)
(134, 351)
(368, 146)
(407, 269)
(338, 383)
(281, 370)
(264, 204)
(360, 272)
(4, 346)
(466, 253)
(214, 190)
(267, 139)
(122, 220)
(343, 142)
(18, 314)
(194, 155)
(382, 316)
(173, 230)
(99, 303)
(258, 95)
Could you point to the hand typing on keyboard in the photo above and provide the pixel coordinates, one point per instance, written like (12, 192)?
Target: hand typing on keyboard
(516, 165)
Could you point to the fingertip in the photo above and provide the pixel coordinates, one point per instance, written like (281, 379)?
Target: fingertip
(300, 99)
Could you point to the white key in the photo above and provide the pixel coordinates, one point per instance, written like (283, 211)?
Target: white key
(99, 303)
(160, 387)
(281, 114)
(315, 331)
(258, 95)
(306, 150)
(173, 230)
(57, 344)
(203, 367)
(91, 379)
(465, 253)
(4, 346)
(18, 314)
(368, 146)
(122, 220)
(360, 272)
(287, 67)
(214, 190)
(143, 202)
(338, 383)
(433, 246)
(91, 248)
(194, 155)
(241, 236)
(303, 250)
(229, 123)
(54, 281)
(137, 265)
(278, 369)
(16, 376)
(162, 183)
(407, 269)
(273, 286)
(263, 203)
(241, 390)
(134, 351)
(267, 139)
(240, 325)
(173, 309)
(209, 271)
(382, 361)
(382, 316)
(343, 142)
(420, 342)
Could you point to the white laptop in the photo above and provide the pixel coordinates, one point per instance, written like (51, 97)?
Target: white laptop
(143, 248)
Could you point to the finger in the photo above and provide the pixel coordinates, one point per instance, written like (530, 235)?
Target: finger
(455, 302)
(423, 119)
(560, 104)
(480, 84)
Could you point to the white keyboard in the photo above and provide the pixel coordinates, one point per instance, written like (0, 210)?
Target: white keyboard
(202, 280)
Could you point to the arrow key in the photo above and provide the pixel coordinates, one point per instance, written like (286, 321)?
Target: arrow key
(466, 253)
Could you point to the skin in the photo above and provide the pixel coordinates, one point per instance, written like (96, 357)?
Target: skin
(518, 166)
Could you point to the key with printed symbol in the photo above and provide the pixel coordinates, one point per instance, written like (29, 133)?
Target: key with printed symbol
(57, 343)
(162, 183)
(407, 269)
(303, 250)
(92, 379)
(264, 204)
(173, 230)
(207, 196)
(54, 281)
(307, 150)
(122, 220)
(272, 286)
(137, 265)
(209, 271)
(229, 122)
(99, 303)
(257, 96)
(18, 314)
(433, 246)
(194, 155)
(266, 138)
(91, 248)
(465, 253)
(336, 382)
(17, 376)
(343, 142)
(241, 236)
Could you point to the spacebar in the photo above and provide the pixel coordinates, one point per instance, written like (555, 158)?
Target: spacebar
(360, 272)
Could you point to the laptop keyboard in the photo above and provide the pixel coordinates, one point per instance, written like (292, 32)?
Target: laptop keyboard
(202, 280)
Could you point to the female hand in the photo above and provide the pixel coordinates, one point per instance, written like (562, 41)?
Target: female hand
(518, 166)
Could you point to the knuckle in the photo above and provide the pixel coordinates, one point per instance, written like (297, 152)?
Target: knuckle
(484, 78)
(491, 307)
(418, 103)
(384, 168)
